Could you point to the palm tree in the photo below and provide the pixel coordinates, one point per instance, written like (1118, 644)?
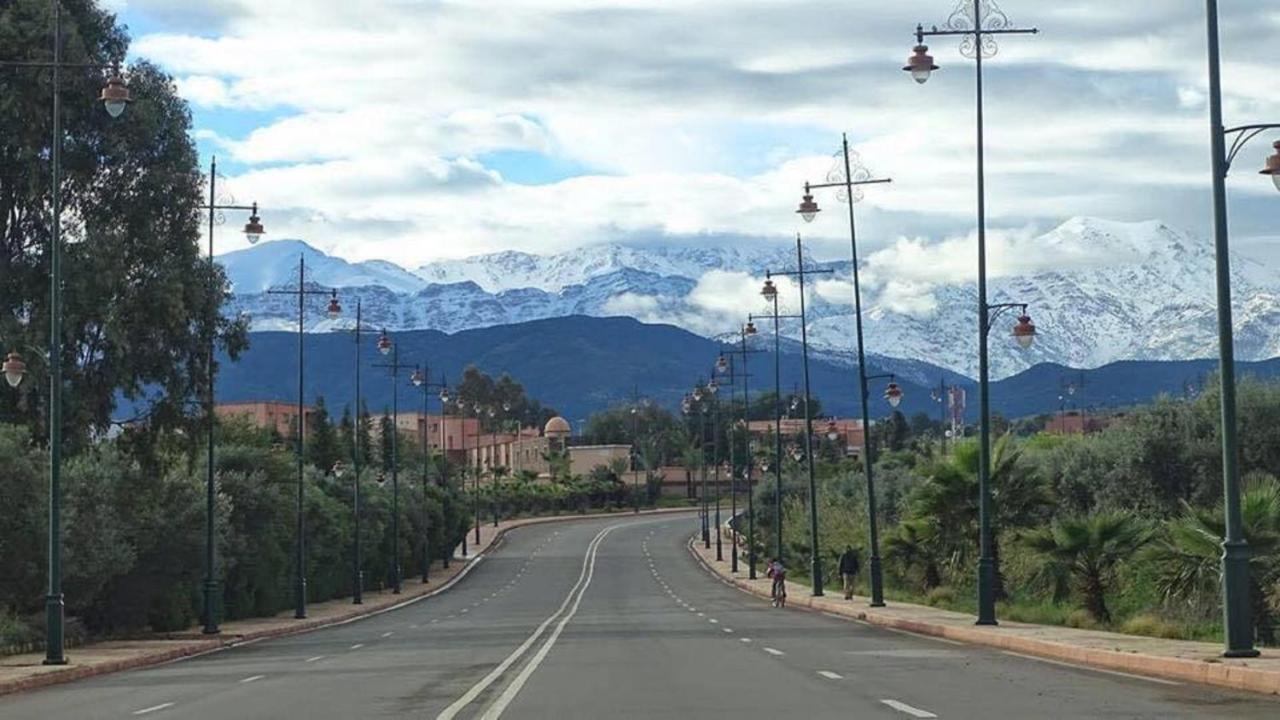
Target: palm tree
(1084, 551)
(949, 497)
(1189, 556)
(915, 544)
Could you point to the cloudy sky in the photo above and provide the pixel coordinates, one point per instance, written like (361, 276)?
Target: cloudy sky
(410, 130)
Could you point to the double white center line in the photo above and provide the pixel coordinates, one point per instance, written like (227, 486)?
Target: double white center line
(570, 603)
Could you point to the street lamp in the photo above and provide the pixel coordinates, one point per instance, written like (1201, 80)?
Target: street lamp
(357, 569)
(713, 387)
(253, 231)
(770, 291)
(421, 378)
(1236, 607)
(745, 332)
(114, 97)
(14, 369)
(849, 177)
(333, 310)
(977, 22)
(394, 367)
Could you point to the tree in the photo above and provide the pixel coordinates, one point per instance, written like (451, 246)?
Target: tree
(915, 546)
(346, 434)
(141, 305)
(323, 448)
(1189, 555)
(387, 434)
(1085, 551)
(365, 435)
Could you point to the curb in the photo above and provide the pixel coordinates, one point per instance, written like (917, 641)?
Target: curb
(1213, 672)
(197, 648)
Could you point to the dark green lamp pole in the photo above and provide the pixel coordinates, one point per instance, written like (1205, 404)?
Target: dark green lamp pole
(253, 232)
(357, 563)
(422, 379)
(770, 293)
(393, 369)
(977, 22)
(115, 97)
(300, 556)
(749, 330)
(849, 181)
(800, 273)
(1236, 607)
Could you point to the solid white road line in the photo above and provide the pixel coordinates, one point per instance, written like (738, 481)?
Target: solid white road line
(830, 675)
(1158, 681)
(467, 697)
(905, 708)
(772, 651)
(495, 710)
(357, 646)
(152, 709)
(252, 678)
(313, 659)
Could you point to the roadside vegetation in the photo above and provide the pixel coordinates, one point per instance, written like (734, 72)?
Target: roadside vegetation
(1117, 530)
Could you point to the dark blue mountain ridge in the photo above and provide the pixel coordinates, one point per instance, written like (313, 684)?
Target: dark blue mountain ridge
(580, 364)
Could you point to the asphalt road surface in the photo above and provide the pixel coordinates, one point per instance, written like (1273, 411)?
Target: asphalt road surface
(614, 618)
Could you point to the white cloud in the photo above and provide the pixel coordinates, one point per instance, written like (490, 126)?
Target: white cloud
(701, 118)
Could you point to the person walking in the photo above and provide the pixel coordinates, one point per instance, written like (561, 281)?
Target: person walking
(849, 568)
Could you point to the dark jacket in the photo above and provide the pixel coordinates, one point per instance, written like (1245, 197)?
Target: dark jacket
(849, 563)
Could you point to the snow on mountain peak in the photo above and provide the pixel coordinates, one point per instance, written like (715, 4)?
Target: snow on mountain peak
(1088, 282)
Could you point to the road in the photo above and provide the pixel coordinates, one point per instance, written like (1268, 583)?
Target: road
(614, 618)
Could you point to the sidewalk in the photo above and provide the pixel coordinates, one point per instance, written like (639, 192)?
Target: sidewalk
(24, 672)
(1180, 660)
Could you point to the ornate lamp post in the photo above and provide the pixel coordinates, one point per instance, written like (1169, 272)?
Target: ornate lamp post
(253, 231)
(421, 378)
(749, 331)
(849, 179)
(1237, 613)
(393, 369)
(770, 293)
(801, 272)
(115, 98)
(384, 347)
(977, 22)
(334, 309)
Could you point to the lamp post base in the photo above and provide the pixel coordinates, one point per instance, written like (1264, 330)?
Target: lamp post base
(877, 581)
(54, 613)
(210, 607)
(986, 591)
(1236, 607)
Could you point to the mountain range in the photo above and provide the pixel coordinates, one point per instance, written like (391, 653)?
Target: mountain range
(579, 365)
(1124, 291)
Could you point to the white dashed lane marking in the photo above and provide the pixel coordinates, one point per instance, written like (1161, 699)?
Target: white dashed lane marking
(830, 675)
(313, 659)
(357, 646)
(153, 708)
(773, 651)
(387, 634)
(252, 678)
(905, 708)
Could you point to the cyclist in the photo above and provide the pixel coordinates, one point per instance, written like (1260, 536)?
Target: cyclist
(779, 575)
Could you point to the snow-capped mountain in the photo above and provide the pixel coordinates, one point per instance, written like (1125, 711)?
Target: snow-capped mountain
(1139, 291)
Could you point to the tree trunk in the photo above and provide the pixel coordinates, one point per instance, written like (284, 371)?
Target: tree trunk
(1095, 600)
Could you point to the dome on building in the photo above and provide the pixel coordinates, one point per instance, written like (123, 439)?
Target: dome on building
(557, 427)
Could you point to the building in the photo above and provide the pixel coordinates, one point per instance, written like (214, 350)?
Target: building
(281, 417)
(1073, 422)
(848, 431)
